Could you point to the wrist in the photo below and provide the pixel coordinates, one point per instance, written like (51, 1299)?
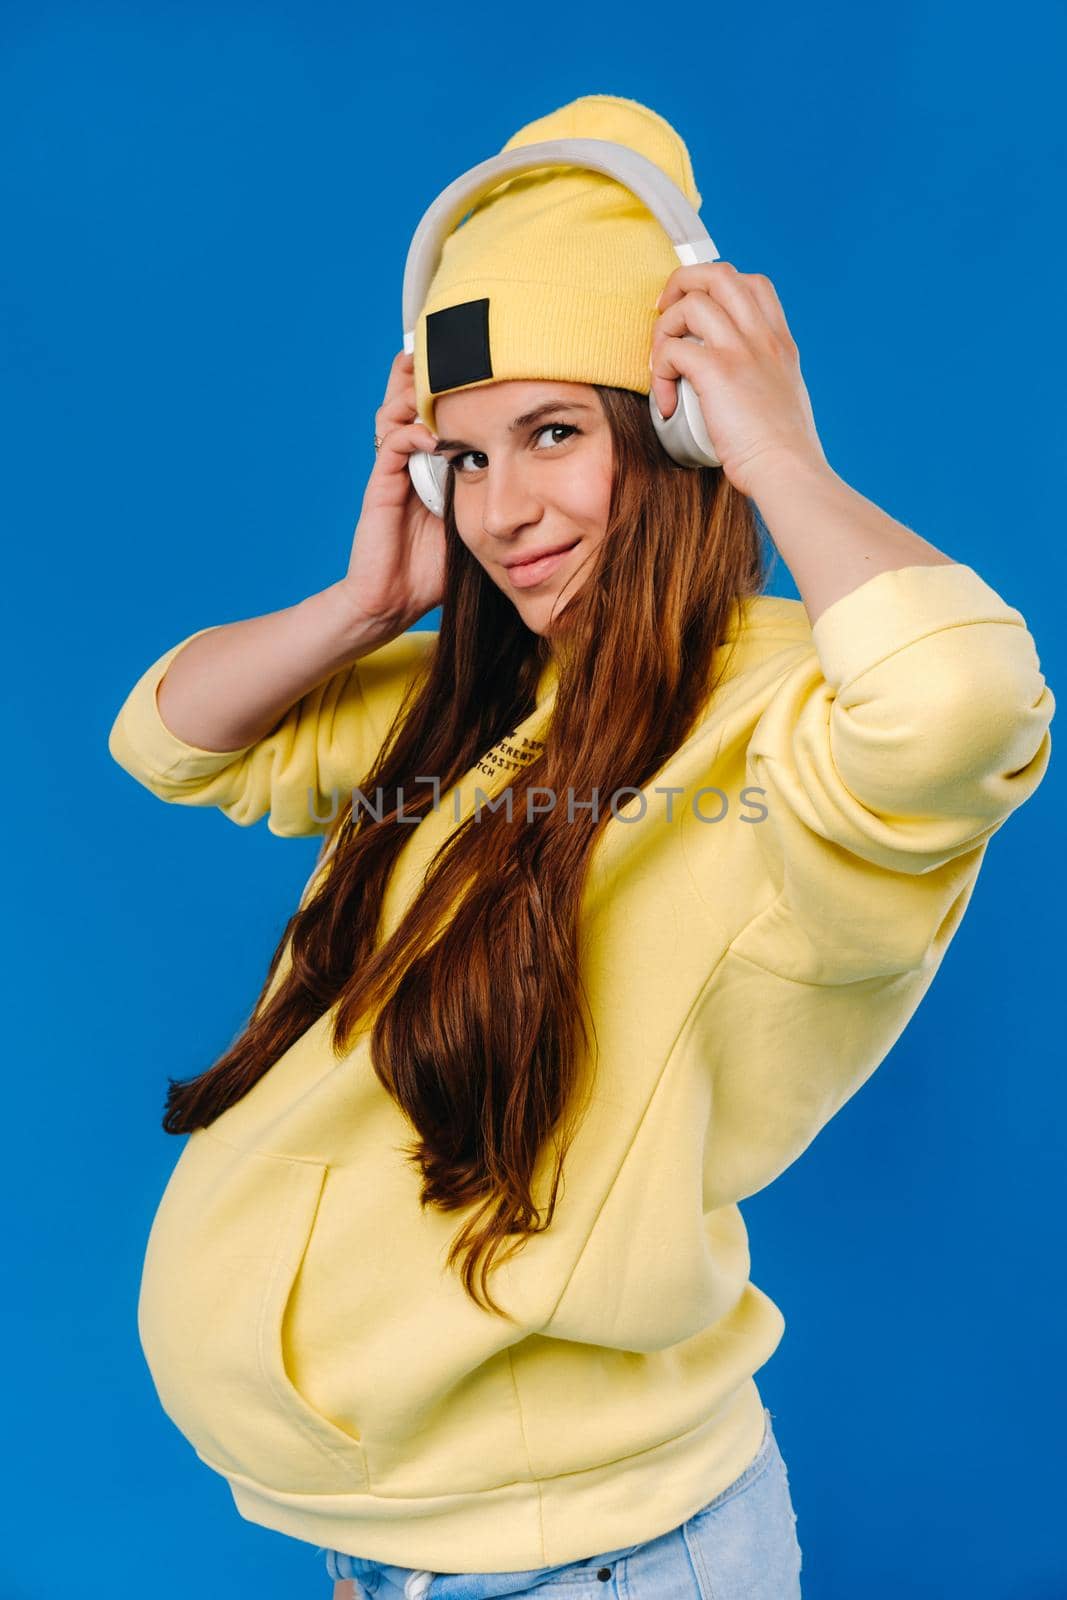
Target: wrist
(785, 471)
(355, 634)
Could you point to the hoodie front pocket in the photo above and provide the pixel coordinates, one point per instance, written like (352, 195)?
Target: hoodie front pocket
(221, 1268)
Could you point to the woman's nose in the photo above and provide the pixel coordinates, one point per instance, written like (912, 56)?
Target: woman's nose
(507, 505)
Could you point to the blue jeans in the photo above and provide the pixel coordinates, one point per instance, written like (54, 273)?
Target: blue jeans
(740, 1546)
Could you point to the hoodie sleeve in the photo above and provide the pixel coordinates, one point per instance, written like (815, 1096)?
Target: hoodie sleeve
(890, 752)
(295, 775)
(893, 748)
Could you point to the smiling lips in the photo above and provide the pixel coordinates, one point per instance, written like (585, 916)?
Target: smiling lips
(525, 574)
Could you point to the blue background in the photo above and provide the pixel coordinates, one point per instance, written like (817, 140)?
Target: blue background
(206, 213)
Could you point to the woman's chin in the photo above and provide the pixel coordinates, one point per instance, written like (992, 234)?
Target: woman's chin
(547, 618)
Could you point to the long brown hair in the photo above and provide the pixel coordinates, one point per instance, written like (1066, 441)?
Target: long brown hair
(475, 1003)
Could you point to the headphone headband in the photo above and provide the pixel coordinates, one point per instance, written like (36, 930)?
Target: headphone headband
(642, 177)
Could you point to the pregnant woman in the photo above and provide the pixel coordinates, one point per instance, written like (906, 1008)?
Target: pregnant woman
(631, 875)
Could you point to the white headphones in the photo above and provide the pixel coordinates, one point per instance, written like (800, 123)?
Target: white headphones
(683, 434)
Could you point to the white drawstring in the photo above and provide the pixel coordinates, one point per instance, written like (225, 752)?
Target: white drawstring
(416, 1584)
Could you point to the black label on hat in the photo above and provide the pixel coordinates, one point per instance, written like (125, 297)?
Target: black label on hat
(457, 346)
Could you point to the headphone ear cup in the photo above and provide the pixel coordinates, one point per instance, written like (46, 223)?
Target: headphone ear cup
(429, 474)
(684, 434)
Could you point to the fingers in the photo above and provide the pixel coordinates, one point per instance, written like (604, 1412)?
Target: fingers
(669, 362)
(766, 296)
(699, 314)
(670, 358)
(396, 421)
(732, 313)
(399, 403)
(401, 408)
(719, 279)
(403, 441)
(401, 374)
(750, 297)
(690, 309)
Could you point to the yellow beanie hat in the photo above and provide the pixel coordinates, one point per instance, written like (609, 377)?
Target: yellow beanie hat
(555, 273)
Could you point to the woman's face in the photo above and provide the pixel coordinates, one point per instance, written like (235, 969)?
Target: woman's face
(532, 464)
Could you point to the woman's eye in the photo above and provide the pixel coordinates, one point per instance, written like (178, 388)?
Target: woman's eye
(565, 428)
(556, 427)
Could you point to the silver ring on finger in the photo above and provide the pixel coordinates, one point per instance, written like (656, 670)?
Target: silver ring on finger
(378, 442)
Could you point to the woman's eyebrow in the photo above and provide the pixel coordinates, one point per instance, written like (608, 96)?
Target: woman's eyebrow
(525, 421)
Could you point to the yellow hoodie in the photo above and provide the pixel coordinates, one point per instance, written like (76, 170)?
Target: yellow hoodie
(746, 976)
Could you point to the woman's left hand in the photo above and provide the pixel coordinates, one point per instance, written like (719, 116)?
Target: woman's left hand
(746, 374)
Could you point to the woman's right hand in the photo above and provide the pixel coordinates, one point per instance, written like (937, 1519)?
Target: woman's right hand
(396, 571)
